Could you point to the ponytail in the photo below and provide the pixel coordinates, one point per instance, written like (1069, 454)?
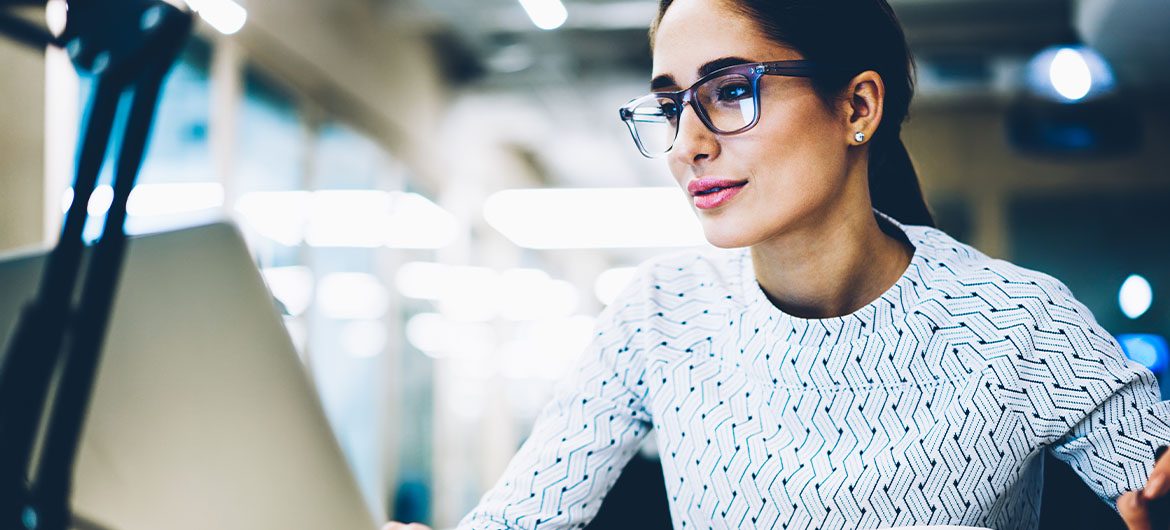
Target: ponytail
(893, 183)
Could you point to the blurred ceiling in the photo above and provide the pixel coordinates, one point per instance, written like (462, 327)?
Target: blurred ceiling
(555, 92)
(607, 35)
(551, 96)
(961, 45)
(1133, 34)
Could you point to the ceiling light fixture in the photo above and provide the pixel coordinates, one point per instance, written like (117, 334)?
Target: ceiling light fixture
(546, 14)
(225, 16)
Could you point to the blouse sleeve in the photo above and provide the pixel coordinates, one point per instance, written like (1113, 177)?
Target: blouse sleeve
(583, 438)
(1112, 444)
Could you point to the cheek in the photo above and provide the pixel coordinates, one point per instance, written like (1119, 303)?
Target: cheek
(800, 124)
(792, 149)
(796, 146)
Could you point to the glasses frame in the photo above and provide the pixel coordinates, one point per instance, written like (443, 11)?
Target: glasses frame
(683, 98)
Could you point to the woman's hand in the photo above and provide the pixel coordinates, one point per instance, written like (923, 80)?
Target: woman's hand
(394, 525)
(1148, 508)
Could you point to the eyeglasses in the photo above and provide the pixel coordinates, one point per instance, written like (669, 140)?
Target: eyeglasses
(725, 101)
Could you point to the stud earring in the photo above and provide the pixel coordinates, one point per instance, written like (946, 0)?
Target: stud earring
(859, 136)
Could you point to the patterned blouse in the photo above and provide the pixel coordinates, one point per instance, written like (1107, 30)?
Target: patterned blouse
(931, 405)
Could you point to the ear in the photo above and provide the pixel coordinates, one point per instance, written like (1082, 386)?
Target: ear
(865, 98)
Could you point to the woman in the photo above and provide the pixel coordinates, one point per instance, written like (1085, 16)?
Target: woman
(841, 364)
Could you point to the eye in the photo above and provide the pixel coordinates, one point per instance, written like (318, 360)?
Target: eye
(670, 111)
(734, 91)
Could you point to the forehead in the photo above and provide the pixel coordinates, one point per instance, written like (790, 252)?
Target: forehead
(694, 32)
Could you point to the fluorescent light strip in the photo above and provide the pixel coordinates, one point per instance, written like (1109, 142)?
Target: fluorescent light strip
(225, 16)
(165, 199)
(154, 199)
(594, 218)
(349, 218)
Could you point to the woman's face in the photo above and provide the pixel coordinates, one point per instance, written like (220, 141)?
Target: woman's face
(792, 163)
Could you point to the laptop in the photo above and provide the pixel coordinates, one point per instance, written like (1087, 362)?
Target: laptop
(203, 416)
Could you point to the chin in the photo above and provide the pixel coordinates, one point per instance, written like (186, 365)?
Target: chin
(727, 236)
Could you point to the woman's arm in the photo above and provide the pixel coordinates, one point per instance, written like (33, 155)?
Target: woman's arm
(584, 437)
(1112, 447)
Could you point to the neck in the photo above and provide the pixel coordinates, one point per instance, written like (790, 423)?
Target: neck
(831, 266)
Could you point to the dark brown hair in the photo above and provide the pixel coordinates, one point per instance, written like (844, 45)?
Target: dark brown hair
(860, 35)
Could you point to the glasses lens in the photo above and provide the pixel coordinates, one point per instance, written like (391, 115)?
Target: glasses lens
(729, 101)
(655, 122)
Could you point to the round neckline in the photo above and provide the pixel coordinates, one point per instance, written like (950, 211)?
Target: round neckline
(887, 308)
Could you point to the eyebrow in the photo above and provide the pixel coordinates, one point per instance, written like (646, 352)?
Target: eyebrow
(666, 80)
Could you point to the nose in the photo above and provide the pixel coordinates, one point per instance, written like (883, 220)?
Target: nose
(694, 142)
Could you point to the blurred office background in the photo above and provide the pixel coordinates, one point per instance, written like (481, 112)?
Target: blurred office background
(442, 197)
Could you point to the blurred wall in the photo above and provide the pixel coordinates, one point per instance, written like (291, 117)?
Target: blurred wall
(359, 62)
(970, 174)
(22, 137)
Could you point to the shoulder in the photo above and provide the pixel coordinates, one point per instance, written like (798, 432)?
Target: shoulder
(666, 292)
(695, 269)
(971, 285)
(960, 269)
(704, 275)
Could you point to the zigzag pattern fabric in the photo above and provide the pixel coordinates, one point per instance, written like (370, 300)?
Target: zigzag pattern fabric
(930, 405)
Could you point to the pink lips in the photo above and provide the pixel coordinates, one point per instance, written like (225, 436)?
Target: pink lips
(711, 192)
